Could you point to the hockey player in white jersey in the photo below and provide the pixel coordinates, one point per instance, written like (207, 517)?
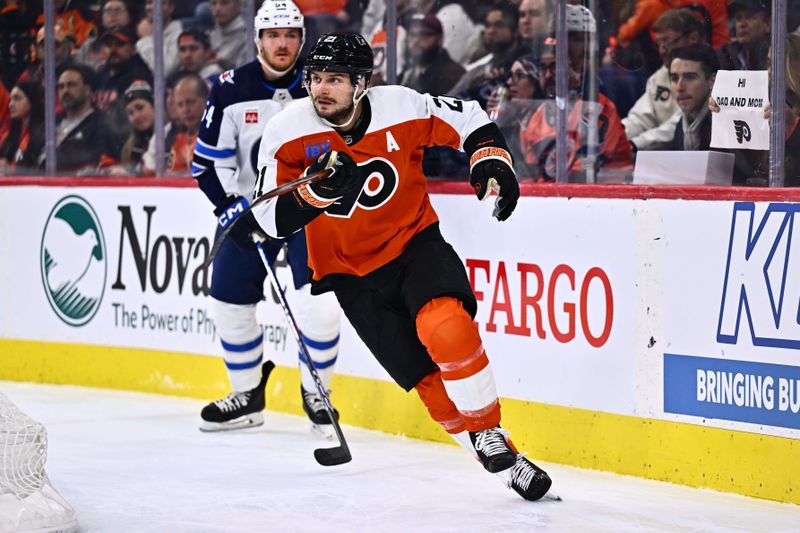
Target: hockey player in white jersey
(374, 240)
(241, 102)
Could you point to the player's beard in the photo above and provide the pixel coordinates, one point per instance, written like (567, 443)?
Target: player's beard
(338, 115)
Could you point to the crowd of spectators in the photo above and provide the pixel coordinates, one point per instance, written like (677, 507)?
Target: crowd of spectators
(640, 74)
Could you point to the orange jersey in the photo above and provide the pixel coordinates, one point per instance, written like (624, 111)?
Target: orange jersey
(360, 234)
(74, 24)
(647, 12)
(538, 139)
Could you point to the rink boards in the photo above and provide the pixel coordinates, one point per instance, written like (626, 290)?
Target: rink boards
(642, 332)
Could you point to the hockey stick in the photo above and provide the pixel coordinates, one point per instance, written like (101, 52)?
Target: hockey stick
(277, 191)
(325, 456)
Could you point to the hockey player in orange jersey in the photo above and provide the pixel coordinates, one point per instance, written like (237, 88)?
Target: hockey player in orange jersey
(373, 236)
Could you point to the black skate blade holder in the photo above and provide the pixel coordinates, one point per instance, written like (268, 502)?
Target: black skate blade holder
(325, 456)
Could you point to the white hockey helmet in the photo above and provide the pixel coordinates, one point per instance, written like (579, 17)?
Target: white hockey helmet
(278, 14)
(580, 19)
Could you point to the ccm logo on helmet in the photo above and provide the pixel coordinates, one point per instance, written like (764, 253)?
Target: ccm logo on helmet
(380, 180)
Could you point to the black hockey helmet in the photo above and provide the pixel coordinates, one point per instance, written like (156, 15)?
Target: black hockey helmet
(346, 52)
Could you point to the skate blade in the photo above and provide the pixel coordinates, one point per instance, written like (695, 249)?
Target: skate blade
(323, 431)
(551, 496)
(243, 422)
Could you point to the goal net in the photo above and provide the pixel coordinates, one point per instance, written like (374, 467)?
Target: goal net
(28, 502)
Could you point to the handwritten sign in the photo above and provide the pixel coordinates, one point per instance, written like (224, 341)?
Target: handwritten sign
(740, 123)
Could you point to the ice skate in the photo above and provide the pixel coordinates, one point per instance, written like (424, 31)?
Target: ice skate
(314, 407)
(493, 450)
(527, 479)
(237, 410)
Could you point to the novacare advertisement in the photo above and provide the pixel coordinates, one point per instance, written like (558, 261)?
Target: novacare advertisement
(114, 266)
(732, 355)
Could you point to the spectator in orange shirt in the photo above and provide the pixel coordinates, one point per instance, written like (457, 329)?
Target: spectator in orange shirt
(538, 140)
(75, 21)
(63, 42)
(646, 12)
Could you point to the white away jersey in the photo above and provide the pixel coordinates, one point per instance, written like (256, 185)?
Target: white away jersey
(240, 104)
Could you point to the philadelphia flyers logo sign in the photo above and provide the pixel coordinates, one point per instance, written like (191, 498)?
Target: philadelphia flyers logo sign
(379, 178)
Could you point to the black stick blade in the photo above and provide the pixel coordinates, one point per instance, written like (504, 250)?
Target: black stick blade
(338, 455)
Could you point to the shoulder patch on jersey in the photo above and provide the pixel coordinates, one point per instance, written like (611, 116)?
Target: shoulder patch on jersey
(227, 77)
(251, 116)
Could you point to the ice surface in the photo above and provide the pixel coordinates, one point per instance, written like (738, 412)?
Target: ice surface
(132, 463)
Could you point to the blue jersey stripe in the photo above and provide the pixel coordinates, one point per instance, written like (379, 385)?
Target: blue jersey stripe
(214, 153)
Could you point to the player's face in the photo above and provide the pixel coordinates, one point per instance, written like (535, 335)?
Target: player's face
(280, 46)
(332, 94)
(689, 85)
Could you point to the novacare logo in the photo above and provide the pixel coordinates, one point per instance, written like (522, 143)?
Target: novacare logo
(73, 260)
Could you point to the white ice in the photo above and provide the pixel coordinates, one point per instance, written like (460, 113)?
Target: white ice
(132, 463)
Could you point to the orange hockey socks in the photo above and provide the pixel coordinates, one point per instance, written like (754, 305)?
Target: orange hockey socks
(452, 340)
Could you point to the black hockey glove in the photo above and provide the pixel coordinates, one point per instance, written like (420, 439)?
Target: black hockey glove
(343, 181)
(490, 169)
(245, 225)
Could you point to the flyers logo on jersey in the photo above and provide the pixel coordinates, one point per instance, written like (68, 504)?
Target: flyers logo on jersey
(380, 180)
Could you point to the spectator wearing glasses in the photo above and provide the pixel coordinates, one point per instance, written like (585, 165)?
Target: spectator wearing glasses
(512, 114)
(430, 70)
(650, 123)
(22, 145)
(538, 140)
(752, 26)
(113, 14)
